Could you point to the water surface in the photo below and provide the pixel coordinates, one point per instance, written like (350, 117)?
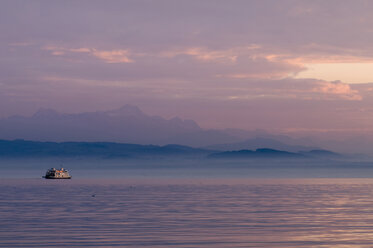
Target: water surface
(186, 212)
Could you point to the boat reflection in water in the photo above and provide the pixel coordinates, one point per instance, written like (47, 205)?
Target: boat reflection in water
(54, 173)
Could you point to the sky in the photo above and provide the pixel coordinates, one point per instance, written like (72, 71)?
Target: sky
(285, 66)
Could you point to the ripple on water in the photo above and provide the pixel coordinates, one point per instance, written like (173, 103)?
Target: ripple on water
(35, 213)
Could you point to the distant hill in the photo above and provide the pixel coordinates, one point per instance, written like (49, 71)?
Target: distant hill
(37, 149)
(258, 153)
(320, 153)
(258, 142)
(22, 149)
(272, 153)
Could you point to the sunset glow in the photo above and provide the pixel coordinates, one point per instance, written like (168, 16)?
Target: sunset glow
(351, 73)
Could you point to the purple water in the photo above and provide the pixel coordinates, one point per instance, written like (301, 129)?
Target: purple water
(186, 213)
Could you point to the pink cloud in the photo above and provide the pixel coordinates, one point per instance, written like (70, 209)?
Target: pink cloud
(210, 55)
(202, 54)
(112, 56)
(337, 89)
(108, 56)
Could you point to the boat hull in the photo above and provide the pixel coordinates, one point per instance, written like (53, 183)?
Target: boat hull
(49, 177)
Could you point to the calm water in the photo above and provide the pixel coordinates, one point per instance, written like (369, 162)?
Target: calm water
(186, 213)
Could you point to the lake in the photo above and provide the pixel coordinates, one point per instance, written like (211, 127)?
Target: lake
(186, 212)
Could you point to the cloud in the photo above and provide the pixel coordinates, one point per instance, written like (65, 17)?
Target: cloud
(288, 88)
(203, 54)
(336, 89)
(108, 56)
(250, 61)
(113, 56)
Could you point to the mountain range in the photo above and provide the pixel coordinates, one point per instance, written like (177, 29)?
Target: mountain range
(129, 124)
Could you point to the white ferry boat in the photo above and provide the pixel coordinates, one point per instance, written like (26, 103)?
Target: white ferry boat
(53, 173)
